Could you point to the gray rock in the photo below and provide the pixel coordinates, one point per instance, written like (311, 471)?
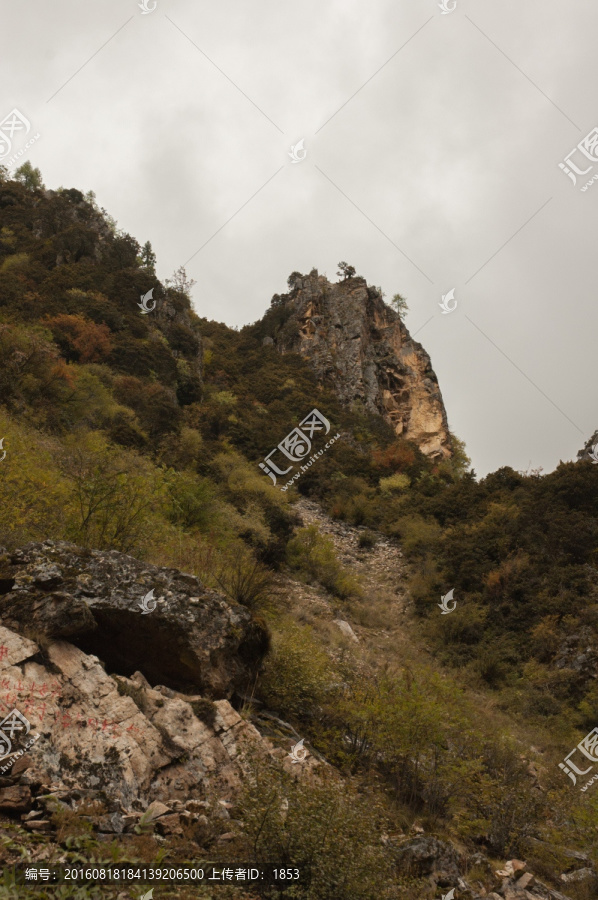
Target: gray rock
(97, 744)
(210, 646)
(112, 824)
(360, 348)
(425, 855)
(578, 875)
(346, 629)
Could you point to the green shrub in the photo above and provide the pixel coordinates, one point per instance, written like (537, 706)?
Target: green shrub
(418, 536)
(244, 579)
(314, 556)
(327, 829)
(298, 675)
(117, 494)
(395, 484)
(367, 540)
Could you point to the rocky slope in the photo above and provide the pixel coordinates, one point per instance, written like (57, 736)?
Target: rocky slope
(134, 746)
(359, 346)
(131, 755)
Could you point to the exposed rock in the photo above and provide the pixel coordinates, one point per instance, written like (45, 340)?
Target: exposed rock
(169, 825)
(39, 825)
(155, 810)
(346, 629)
(15, 799)
(426, 856)
(112, 824)
(516, 867)
(147, 755)
(577, 653)
(577, 876)
(359, 347)
(93, 598)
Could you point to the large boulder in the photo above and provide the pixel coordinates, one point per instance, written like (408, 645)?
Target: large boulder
(193, 639)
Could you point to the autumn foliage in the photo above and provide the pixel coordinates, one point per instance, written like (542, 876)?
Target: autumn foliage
(80, 339)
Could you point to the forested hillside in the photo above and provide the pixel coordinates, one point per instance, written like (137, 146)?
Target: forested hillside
(142, 431)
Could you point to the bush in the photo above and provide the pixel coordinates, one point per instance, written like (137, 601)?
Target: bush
(79, 339)
(418, 536)
(244, 580)
(315, 557)
(395, 484)
(114, 492)
(29, 471)
(298, 675)
(328, 829)
(501, 807)
(367, 540)
(192, 501)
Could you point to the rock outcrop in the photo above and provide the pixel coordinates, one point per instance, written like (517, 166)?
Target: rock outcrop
(359, 347)
(189, 638)
(134, 748)
(141, 751)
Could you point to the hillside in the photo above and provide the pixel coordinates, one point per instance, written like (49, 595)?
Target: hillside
(175, 619)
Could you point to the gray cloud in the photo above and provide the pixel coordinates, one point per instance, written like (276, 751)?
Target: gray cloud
(447, 150)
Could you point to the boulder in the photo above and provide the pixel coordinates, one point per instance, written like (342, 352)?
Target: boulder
(191, 639)
(578, 876)
(346, 629)
(424, 856)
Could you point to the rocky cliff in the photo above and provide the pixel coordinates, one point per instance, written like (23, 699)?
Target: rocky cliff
(129, 743)
(359, 346)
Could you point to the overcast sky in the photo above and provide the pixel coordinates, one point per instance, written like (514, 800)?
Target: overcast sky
(433, 144)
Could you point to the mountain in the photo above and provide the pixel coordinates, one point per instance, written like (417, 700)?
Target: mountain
(200, 662)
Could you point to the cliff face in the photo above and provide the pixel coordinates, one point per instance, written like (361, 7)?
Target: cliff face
(359, 346)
